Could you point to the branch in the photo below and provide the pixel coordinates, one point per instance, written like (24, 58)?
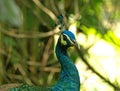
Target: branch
(94, 70)
(46, 53)
(8, 86)
(47, 11)
(32, 35)
(76, 9)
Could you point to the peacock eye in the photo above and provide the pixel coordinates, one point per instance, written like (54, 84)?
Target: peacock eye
(64, 37)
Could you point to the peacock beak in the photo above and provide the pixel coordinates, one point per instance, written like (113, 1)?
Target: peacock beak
(74, 42)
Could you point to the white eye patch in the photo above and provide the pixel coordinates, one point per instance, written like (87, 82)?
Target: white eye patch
(64, 38)
(63, 42)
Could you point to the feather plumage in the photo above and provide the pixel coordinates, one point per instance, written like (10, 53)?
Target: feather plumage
(69, 77)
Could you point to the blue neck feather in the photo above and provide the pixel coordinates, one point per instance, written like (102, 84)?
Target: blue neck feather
(69, 77)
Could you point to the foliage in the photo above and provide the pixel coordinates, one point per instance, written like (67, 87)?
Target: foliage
(27, 42)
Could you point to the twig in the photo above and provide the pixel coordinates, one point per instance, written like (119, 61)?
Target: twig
(51, 69)
(33, 35)
(22, 71)
(47, 11)
(46, 53)
(8, 86)
(50, 77)
(54, 7)
(76, 9)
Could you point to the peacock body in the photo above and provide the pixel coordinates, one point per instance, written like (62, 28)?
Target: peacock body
(69, 77)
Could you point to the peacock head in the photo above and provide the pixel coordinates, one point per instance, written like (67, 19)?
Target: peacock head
(67, 39)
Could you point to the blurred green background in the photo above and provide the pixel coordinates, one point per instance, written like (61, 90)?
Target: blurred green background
(28, 37)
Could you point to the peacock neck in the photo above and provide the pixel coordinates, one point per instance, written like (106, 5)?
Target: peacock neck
(69, 73)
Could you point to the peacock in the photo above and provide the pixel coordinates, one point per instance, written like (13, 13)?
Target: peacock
(69, 78)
